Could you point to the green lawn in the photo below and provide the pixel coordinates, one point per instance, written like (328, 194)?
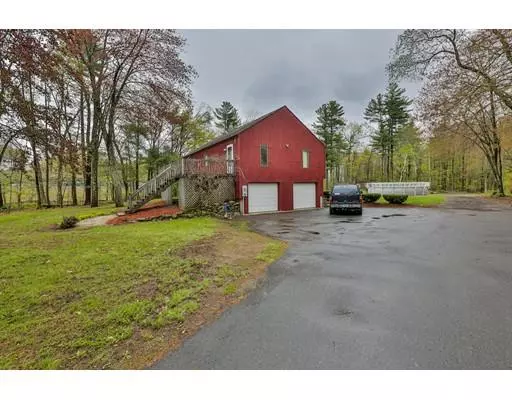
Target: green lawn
(428, 200)
(89, 298)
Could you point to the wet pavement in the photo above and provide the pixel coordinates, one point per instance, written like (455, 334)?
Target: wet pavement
(392, 289)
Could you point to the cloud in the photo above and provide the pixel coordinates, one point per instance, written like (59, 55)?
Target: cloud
(264, 69)
(360, 87)
(282, 85)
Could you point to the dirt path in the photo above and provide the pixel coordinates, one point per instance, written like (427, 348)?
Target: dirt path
(474, 203)
(96, 221)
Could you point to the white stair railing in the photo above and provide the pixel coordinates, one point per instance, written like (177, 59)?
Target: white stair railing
(151, 187)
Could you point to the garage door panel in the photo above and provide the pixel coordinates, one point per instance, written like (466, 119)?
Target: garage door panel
(304, 195)
(262, 197)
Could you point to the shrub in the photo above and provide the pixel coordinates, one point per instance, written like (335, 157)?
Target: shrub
(371, 197)
(396, 198)
(68, 222)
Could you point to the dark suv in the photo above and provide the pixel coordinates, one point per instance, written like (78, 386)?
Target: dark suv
(346, 198)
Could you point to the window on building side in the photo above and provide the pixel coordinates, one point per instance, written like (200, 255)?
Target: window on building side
(305, 159)
(263, 155)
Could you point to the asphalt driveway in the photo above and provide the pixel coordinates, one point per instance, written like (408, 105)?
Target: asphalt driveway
(398, 289)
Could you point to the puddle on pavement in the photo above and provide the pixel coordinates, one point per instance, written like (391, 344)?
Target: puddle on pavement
(393, 215)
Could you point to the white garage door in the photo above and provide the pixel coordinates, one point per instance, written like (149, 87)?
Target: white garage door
(262, 197)
(304, 195)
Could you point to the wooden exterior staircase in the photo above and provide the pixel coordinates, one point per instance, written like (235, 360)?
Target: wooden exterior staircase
(155, 186)
(172, 173)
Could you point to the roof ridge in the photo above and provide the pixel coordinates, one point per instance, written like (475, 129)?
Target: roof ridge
(235, 132)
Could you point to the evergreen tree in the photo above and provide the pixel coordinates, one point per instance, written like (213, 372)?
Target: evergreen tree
(375, 113)
(390, 113)
(329, 126)
(397, 110)
(226, 117)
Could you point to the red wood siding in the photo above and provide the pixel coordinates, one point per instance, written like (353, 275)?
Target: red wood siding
(286, 137)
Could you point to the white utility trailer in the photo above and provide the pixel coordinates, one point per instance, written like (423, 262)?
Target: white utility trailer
(409, 188)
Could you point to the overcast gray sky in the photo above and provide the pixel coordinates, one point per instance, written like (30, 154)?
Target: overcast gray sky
(260, 70)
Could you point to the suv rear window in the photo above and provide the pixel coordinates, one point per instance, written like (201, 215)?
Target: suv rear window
(345, 190)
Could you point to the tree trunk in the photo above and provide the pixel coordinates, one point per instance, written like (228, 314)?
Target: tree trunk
(94, 147)
(453, 187)
(368, 164)
(87, 179)
(443, 176)
(499, 178)
(391, 164)
(2, 152)
(137, 144)
(46, 144)
(85, 138)
(35, 158)
(37, 175)
(60, 197)
(494, 160)
(94, 179)
(47, 175)
(112, 164)
(19, 190)
(463, 171)
(126, 189)
(124, 172)
(74, 197)
(483, 187)
(498, 166)
(10, 192)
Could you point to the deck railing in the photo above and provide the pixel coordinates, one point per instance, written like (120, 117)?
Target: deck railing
(208, 166)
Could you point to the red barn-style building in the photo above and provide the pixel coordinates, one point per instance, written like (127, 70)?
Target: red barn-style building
(278, 163)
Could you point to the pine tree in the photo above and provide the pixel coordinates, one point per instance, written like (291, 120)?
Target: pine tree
(375, 113)
(329, 126)
(226, 117)
(397, 110)
(390, 113)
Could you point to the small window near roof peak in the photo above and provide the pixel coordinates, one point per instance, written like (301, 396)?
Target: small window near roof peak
(305, 159)
(263, 155)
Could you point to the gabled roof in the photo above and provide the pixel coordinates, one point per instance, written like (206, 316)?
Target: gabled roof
(246, 126)
(234, 133)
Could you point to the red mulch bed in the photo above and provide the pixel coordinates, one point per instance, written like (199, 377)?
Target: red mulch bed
(152, 210)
